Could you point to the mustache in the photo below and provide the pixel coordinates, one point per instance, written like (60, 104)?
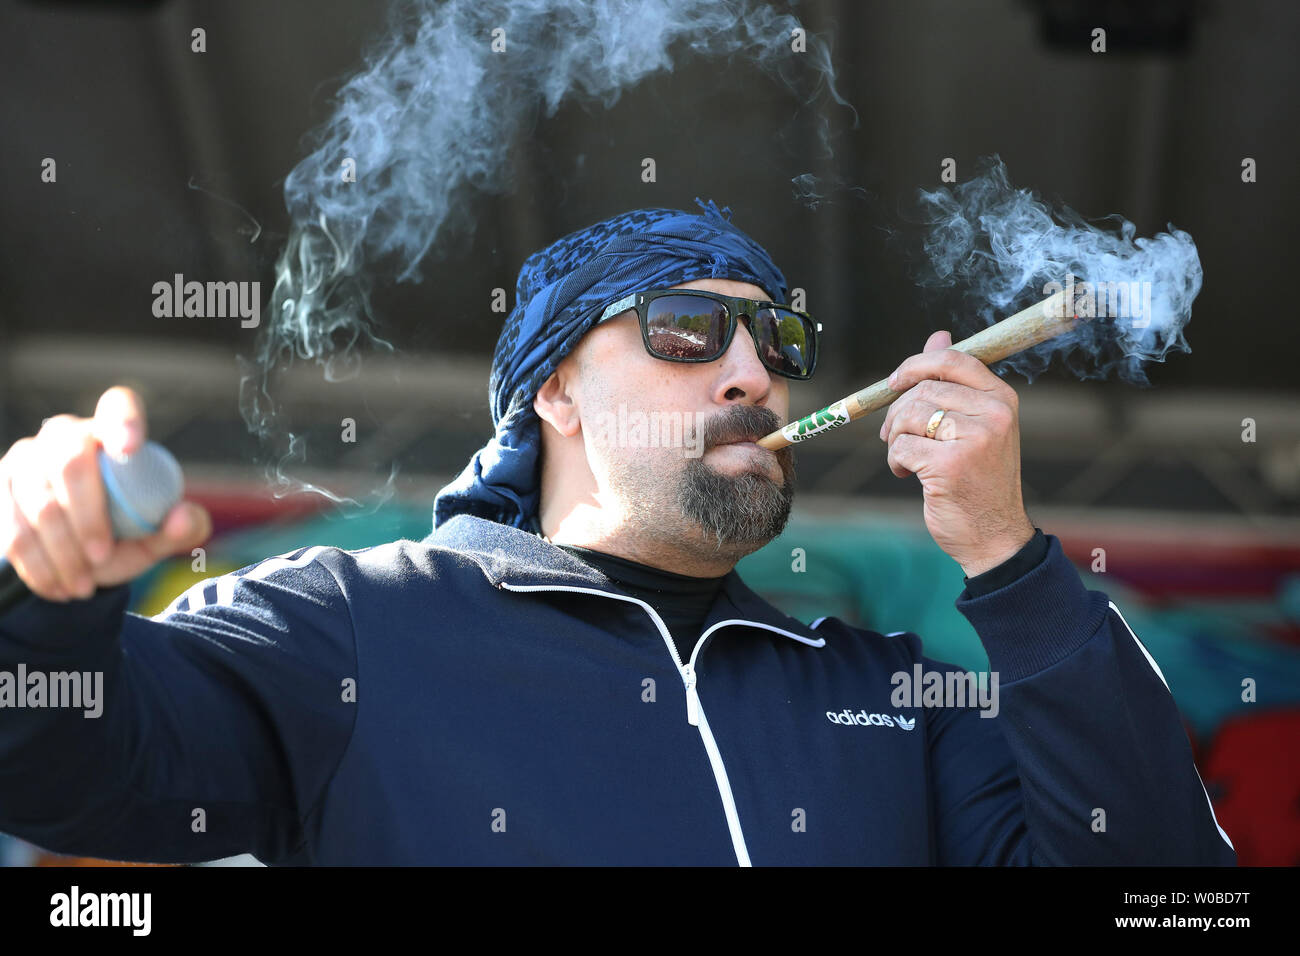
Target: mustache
(740, 423)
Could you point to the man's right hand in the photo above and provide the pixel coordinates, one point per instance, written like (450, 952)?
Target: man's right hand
(54, 524)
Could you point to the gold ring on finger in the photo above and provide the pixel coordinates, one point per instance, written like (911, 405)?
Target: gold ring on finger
(932, 425)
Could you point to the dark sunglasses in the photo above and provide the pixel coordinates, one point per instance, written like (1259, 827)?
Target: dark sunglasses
(691, 325)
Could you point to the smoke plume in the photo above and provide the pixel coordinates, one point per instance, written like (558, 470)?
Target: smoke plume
(432, 115)
(1003, 247)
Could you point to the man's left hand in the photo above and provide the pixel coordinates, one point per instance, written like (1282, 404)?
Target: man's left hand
(970, 469)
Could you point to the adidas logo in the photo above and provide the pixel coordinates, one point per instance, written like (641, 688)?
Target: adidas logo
(863, 719)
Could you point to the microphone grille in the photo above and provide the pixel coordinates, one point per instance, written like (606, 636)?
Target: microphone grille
(141, 489)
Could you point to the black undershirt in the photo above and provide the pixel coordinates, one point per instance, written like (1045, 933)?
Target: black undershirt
(684, 602)
(681, 600)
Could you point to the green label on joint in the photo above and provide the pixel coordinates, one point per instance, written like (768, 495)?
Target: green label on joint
(832, 416)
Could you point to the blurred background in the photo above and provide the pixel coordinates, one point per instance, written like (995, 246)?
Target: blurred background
(174, 161)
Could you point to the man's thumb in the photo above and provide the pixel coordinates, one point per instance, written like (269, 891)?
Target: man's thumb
(938, 340)
(186, 525)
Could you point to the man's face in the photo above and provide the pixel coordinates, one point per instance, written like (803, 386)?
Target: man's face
(671, 444)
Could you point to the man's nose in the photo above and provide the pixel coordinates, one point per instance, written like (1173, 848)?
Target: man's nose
(741, 376)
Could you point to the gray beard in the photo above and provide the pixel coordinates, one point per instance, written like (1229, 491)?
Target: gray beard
(742, 513)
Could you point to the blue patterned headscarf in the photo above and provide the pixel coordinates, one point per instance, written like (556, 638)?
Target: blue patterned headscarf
(562, 291)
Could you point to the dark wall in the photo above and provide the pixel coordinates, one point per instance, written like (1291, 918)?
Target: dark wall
(134, 118)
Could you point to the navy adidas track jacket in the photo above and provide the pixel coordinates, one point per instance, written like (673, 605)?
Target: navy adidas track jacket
(482, 697)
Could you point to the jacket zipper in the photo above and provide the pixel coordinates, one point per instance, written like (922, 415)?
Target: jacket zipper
(694, 712)
(688, 671)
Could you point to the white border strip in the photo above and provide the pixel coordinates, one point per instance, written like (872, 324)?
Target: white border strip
(224, 589)
(1156, 667)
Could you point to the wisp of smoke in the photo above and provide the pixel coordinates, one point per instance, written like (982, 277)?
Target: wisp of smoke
(1003, 247)
(442, 96)
(815, 191)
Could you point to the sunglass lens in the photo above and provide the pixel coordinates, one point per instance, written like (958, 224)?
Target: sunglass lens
(686, 327)
(785, 341)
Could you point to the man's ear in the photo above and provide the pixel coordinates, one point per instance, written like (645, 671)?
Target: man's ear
(556, 404)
